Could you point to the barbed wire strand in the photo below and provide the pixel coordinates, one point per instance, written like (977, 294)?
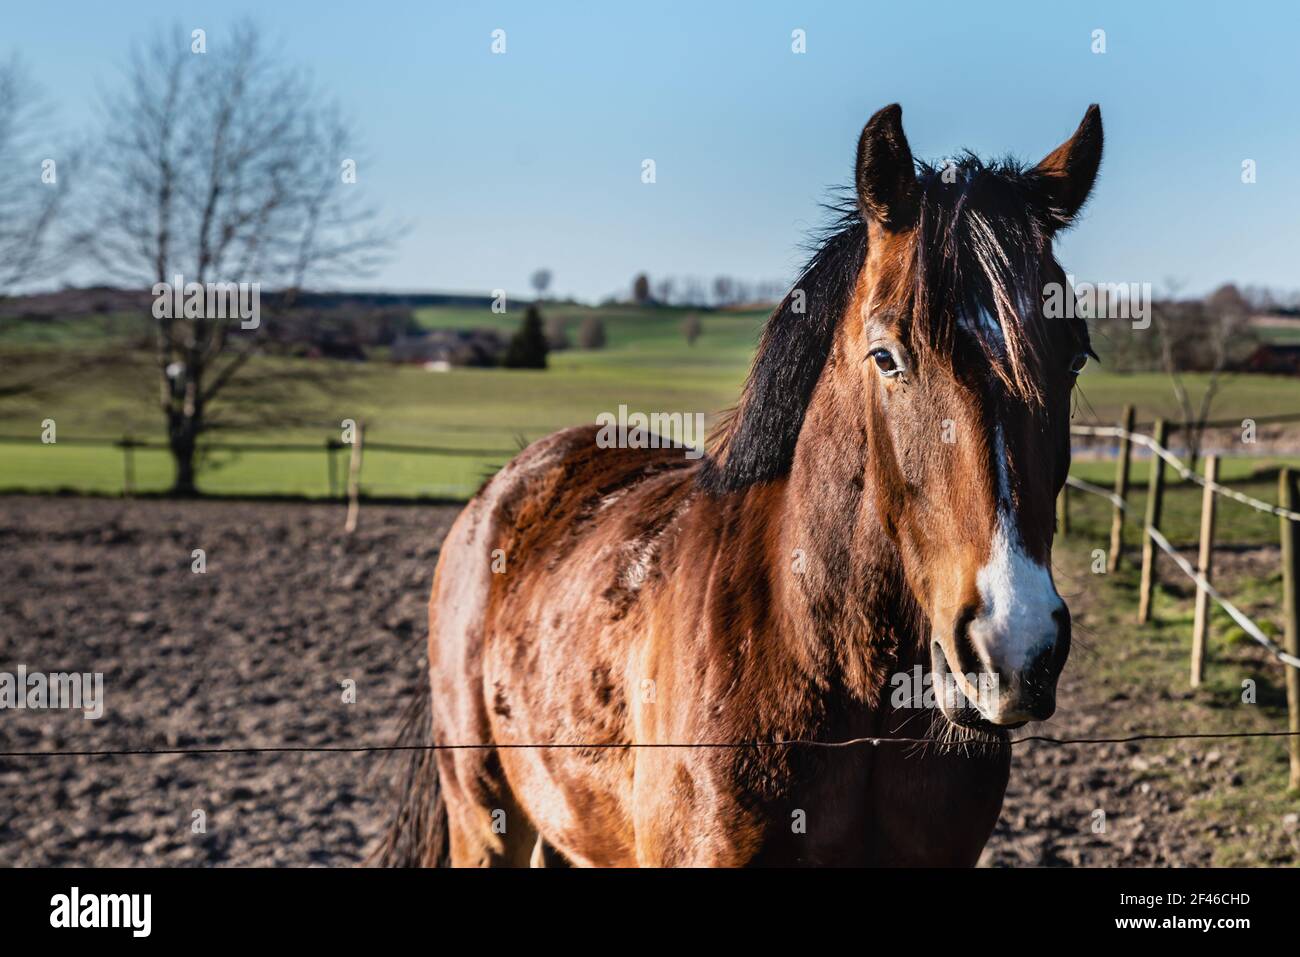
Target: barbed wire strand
(605, 745)
(1247, 625)
(1118, 433)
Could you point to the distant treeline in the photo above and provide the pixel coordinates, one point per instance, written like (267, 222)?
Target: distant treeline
(695, 292)
(1223, 331)
(106, 299)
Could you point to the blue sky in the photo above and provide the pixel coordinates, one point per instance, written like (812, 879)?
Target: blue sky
(504, 163)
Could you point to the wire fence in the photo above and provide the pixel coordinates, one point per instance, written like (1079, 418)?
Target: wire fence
(942, 743)
(494, 456)
(1153, 538)
(330, 481)
(1246, 624)
(1183, 471)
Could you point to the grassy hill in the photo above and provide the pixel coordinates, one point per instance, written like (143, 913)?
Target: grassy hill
(646, 365)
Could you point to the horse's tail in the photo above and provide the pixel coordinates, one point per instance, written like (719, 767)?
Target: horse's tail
(417, 829)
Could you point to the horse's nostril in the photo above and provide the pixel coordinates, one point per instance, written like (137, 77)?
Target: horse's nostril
(968, 657)
(1042, 707)
(1023, 659)
(964, 618)
(1039, 677)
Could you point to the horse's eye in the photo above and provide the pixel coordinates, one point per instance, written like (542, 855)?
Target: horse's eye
(1078, 362)
(885, 362)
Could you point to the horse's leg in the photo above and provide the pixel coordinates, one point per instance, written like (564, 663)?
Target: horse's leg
(486, 827)
(474, 844)
(546, 856)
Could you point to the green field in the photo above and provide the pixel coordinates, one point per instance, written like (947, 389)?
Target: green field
(646, 366)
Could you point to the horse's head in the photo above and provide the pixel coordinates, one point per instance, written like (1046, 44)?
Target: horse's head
(967, 385)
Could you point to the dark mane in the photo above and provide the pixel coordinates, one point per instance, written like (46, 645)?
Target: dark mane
(980, 233)
(755, 441)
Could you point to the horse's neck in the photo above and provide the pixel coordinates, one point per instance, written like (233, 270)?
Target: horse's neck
(845, 597)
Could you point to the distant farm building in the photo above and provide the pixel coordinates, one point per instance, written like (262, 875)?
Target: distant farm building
(443, 348)
(1277, 358)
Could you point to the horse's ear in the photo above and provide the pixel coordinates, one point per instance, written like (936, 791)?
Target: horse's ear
(1066, 174)
(886, 176)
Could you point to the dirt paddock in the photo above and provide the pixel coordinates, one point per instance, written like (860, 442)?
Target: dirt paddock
(256, 652)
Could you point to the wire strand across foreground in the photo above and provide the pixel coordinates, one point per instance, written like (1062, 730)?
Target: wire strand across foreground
(793, 742)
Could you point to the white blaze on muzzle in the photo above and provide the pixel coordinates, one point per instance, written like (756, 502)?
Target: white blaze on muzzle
(1019, 605)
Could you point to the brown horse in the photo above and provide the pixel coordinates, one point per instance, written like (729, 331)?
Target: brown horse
(879, 506)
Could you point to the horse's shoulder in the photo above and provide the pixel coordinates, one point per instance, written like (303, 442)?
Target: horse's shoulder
(564, 487)
(572, 466)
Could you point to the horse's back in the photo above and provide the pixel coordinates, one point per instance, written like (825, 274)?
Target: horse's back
(540, 508)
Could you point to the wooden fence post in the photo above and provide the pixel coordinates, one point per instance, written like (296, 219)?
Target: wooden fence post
(1288, 499)
(1204, 564)
(354, 479)
(1063, 511)
(1121, 489)
(1155, 498)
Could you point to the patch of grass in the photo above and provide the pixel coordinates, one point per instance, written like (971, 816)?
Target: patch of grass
(74, 332)
(1090, 515)
(1246, 800)
(1102, 395)
(647, 366)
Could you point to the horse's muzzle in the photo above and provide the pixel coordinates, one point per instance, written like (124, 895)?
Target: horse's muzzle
(996, 692)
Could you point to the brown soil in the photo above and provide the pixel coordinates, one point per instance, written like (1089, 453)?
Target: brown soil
(255, 651)
(1142, 790)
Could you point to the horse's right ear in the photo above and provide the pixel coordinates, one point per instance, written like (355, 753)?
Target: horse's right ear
(886, 176)
(1065, 176)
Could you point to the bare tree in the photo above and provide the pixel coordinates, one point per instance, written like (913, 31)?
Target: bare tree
(641, 289)
(541, 281)
(557, 333)
(1260, 299)
(34, 190)
(664, 289)
(694, 292)
(31, 193)
(691, 328)
(1199, 336)
(227, 167)
(591, 334)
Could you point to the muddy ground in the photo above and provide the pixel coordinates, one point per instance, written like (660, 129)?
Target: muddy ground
(252, 652)
(255, 651)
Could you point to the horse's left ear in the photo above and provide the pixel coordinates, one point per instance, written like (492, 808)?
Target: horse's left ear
(885, 175)
(1066, 174)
